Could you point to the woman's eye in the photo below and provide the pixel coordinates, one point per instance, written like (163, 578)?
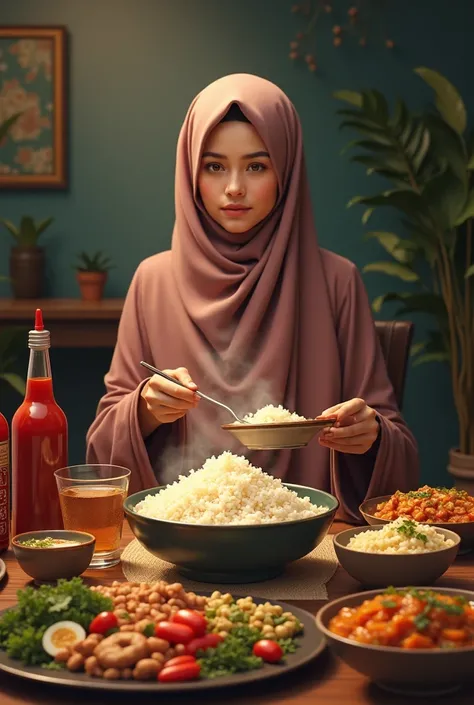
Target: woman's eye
(256, 167)
(213, 167)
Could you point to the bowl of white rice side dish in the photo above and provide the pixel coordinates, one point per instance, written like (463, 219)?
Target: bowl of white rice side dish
(230, 522)
(273, 427)
(400, 553)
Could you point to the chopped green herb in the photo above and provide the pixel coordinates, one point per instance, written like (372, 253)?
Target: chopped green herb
(408, 528)
(279, 620)
(149, 630)
(288, 645)
(232, 655)
(47, 542)
(418, 495)
(22, 628)
(54, 666)
(421, 621)
(389, 604)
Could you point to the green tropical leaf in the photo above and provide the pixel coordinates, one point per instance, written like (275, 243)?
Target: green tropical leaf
(393, 162)
(375, 106)
(448, 100)
(445, 197)
(468, 210)
(401, 250)
(351, 97)
(469, 271)
(431, 357)
(448, 147)
(426, 302)
(367, 213)
(416, 348)
(14, 381)
(394, 269)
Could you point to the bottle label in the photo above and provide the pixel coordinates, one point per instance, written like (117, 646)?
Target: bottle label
(3, 489)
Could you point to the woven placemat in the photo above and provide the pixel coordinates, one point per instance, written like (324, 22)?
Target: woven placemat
(304, 579)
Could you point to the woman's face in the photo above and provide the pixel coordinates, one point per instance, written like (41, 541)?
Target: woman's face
(237, 182)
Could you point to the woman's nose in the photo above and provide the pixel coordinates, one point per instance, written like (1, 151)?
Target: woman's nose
(235, 186)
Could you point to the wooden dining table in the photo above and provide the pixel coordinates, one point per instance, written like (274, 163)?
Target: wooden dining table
(324, 681)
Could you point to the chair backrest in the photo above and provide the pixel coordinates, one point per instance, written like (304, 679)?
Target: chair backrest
(395, 338)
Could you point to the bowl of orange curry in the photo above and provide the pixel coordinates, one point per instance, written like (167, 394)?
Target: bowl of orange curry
(412, 641)
(446, 508)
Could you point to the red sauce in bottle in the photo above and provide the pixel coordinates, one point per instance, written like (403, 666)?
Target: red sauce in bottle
(4, 485)
(39, 443)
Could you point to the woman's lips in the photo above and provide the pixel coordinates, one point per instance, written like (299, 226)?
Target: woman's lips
(235, 211)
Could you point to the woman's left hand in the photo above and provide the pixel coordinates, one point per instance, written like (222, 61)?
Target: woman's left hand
(355, 430)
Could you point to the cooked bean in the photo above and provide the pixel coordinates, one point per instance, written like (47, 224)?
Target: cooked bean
(155, 644)
(112, 674)
(146, 669)
(75, 662)
(63, 655)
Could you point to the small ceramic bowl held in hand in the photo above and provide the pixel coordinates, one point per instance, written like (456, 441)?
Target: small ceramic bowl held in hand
(47, 556)
(398, 569)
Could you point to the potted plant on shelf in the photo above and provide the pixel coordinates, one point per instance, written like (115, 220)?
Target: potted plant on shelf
(91, 274)
(12, 341)
(429, 159)
(26, 257)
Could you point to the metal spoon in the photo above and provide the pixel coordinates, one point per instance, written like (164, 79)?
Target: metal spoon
(199, 394)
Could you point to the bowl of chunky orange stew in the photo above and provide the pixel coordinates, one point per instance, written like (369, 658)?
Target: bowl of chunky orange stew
(412, 640)
(447, 508)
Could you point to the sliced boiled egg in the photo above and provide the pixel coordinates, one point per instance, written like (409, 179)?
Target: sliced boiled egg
(61, 635)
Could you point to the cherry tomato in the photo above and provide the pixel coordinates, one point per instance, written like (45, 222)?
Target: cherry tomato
(177, 660)
(193, 619)
(102, 623)
(268, 650)
(174, 633)
(181, 672)
(209, 641)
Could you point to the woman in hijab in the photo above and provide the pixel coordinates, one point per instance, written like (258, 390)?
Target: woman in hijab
(248, 307)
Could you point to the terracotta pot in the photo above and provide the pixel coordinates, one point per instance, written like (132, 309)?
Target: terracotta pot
(91, 285)
(461, 467)
(27, 272)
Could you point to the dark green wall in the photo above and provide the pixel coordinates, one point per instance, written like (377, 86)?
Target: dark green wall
(134, 68)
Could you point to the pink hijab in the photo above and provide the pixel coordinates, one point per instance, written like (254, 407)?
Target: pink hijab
(254, 308)
(262, 317)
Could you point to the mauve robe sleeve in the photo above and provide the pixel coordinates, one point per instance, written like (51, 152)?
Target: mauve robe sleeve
(115, 436)
(392, 463)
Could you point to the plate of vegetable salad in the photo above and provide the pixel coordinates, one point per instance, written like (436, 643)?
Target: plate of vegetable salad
(151, 637)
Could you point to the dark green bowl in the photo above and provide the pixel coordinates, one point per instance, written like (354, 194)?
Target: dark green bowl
(232, 554)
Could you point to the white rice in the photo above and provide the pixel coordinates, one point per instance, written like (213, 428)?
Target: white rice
(390, 540)
(228, 490)
(273, 414)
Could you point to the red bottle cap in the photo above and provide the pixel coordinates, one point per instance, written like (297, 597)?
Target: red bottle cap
(39, 320)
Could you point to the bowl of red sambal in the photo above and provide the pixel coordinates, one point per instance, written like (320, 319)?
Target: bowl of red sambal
(413, 640)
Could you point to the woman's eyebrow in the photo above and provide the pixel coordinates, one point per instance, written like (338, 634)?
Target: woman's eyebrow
(252, 155)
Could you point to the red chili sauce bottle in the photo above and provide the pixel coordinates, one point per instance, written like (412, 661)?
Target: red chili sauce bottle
(39, 443)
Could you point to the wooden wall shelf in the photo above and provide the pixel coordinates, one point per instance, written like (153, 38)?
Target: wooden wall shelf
(73, 323)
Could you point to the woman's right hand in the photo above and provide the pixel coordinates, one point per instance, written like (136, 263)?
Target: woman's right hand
(165, 402)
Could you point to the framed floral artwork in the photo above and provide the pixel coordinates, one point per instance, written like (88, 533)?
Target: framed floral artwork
(33, 100)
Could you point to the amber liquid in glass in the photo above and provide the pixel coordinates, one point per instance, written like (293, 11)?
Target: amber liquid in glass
(97, 510)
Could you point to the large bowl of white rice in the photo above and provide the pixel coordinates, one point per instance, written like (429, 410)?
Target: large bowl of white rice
(230, 522)
(400, 553)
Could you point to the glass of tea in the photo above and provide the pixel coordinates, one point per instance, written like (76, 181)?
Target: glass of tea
(91, 498)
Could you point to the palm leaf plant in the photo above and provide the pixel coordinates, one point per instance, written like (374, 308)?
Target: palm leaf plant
(428, 159)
